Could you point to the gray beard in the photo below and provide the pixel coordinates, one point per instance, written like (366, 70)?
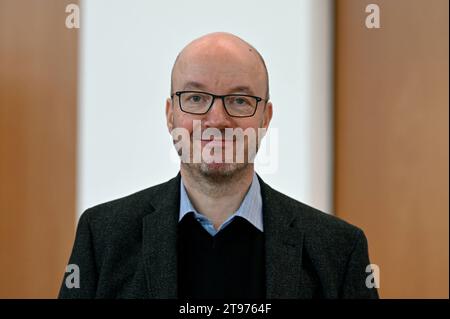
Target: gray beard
(227, 172)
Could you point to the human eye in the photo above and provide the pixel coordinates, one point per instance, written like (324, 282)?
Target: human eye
(194, 98)
(239, 100)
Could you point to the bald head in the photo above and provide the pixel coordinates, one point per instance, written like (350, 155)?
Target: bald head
(226, 58)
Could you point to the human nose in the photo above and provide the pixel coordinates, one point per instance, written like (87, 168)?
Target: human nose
(217, 116)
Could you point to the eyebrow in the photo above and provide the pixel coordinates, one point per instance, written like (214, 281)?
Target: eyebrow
(200, 86)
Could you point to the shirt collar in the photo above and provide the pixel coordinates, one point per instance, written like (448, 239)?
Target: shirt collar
(250, 208)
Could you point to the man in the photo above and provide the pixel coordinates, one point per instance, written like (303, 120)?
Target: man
(217, 230)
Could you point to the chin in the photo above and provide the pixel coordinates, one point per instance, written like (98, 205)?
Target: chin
(221, 169)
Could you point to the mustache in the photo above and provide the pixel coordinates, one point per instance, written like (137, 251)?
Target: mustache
(212, 135)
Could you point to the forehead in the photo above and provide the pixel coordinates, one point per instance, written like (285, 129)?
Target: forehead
(219, 67)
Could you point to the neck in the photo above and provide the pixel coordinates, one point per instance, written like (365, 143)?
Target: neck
(216, 198)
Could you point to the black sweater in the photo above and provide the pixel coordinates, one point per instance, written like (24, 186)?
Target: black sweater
(227, 265)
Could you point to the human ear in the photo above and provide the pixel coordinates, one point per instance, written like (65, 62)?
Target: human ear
(267, 115)
(169, 114)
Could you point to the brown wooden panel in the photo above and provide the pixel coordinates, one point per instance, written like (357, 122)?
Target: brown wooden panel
(391, 139)
(38, 84)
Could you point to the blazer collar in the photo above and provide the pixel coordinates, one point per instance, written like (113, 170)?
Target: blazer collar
(283, 243)
(160, 241)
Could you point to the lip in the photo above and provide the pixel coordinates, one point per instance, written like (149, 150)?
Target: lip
(217, 140)
(214, 143)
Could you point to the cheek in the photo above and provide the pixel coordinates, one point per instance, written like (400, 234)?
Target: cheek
(249, 123)
(183, 121)
(190, 123)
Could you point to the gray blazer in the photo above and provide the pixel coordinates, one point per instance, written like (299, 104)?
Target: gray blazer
(126, 248)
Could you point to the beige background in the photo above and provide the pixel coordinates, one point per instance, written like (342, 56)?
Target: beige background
(38, 63)
(391, 140)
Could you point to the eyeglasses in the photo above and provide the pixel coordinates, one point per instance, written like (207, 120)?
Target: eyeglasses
(236, 105)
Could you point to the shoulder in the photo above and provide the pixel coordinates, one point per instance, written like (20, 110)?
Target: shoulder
(125, 214)
(330, 244)
(320, 228)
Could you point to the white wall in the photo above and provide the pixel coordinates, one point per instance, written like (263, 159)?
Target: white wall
(126, 53)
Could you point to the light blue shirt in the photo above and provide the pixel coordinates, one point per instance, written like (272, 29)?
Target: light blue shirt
(250, 209)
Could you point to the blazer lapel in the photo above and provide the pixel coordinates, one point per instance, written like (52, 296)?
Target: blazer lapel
(160, 242)
(283, 244)
(283, 247)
